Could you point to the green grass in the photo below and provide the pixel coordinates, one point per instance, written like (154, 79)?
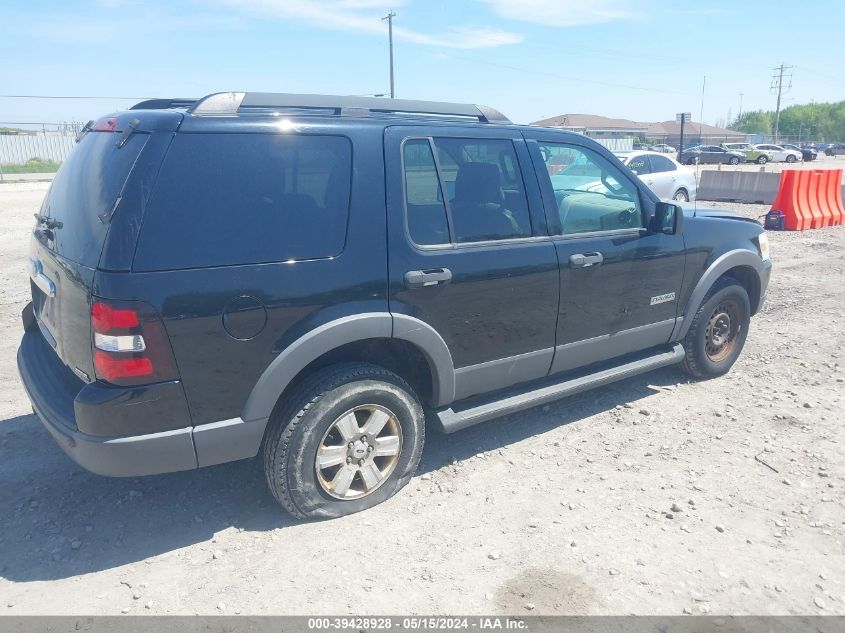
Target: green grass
(32, 166)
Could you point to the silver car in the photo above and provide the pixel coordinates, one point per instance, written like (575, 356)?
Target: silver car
(664, 176)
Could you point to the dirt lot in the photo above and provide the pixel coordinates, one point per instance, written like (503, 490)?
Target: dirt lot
(563, 509)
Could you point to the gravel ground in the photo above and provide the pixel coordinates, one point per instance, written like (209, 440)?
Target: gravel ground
(652, 496)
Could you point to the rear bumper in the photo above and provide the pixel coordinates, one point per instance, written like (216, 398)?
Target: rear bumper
(52, 389)
(58, 398)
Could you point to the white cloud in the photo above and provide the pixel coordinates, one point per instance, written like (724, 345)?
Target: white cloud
(365, 16)
(562, 12)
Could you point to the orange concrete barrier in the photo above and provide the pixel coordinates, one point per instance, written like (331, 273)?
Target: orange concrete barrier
(810, 198)
(834, 198)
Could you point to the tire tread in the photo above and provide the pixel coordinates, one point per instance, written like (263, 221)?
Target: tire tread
(305, 396)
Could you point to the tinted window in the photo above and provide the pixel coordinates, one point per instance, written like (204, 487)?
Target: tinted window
(606, 202)
(640, 165)
(661, 164)
(87, 186)
(484, 188)
(426, 209)
(247, 198)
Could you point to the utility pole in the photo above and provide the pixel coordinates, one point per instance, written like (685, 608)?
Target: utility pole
(741, 95)
(389, 17)
(777, 83)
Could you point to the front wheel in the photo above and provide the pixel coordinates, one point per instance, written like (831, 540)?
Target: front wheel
(718, 331)
(762, 160)
(733, 160)
(791, 159)
(348, 438)
(681, 196)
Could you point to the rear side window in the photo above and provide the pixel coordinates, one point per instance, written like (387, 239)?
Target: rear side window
(224, 199)
(86, 187)
(472, 187)
(427, 223)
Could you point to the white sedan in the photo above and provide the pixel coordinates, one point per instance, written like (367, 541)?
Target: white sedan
(664, 176)
(781, 154)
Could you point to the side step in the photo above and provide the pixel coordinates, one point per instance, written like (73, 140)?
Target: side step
(452, 420)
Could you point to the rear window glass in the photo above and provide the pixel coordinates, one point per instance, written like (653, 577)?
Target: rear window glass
(87, 186)
(224, 199)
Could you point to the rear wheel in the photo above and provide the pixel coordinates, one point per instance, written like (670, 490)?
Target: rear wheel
(733, 160)
(681, 195)
(762, 160)
(718, 331)
(349, 437)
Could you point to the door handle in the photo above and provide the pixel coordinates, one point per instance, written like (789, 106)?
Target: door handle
(582, 260)
(430, 277)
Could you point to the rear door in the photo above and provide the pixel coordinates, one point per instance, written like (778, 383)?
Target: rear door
(469, 254)
(664, 174)
(71, 228)
(618, 281)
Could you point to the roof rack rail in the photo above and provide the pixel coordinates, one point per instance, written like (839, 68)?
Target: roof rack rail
(163, 104)
(222, 103)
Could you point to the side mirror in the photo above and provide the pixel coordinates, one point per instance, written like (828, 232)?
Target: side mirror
(668, 218)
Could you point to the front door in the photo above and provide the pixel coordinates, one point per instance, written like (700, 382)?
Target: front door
(468, 252)
(619, 282)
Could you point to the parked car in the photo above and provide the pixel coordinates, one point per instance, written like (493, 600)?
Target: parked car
(667, 178)
(836, 149)
(752, 155)
(711, 154)
(362, 264)
(807, 153)
(780, 154)
(663, 149)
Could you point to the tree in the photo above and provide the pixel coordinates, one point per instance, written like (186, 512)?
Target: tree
(754, 122)
(810, 121)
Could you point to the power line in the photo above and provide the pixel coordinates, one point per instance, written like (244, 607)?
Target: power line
(70, 97)
(777, 84)
(570, 78)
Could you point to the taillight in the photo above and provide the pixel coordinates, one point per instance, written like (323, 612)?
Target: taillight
(106, 124)
(130, 344)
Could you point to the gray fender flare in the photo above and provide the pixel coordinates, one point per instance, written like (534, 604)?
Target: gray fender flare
(296, 356)
(722, 264)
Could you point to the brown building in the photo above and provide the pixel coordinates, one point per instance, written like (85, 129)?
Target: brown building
(600, 127)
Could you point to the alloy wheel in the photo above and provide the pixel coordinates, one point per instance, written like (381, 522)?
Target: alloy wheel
(358, 452)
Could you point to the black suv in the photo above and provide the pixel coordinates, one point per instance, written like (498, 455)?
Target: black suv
(311, 277)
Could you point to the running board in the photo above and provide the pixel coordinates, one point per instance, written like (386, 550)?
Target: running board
(452, 420)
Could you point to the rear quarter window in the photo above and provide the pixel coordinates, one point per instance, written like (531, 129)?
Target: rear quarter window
(226, 199)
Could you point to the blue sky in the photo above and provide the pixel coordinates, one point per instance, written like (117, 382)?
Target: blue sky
(638, 59)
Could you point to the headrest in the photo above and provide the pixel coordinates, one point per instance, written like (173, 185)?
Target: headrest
(478, 183)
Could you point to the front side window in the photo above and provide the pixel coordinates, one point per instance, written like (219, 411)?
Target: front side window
(477, 182)
(591, 194)
(640, 165)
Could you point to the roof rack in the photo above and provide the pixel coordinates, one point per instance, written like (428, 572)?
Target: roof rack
(222, 103)
(163, 104)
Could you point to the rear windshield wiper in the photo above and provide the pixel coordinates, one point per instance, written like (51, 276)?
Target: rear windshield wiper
(130, 128)
(85, 129)
(49, 222)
